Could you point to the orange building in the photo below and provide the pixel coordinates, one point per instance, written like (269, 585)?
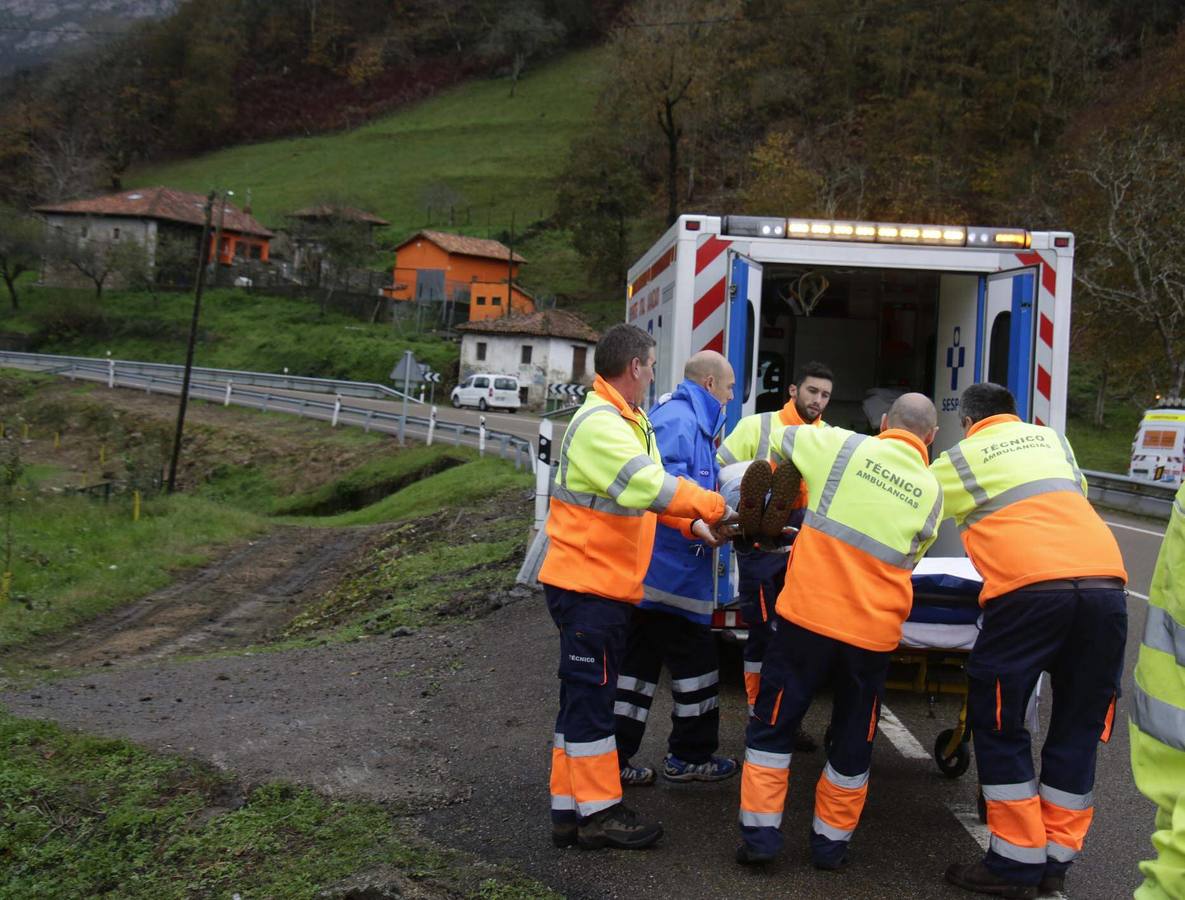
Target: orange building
(436, 265)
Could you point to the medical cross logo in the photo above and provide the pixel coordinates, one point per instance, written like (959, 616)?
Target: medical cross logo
(955, 359)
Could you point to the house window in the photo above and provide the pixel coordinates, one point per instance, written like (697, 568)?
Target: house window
(527, 348)
(115, 234)
(84, 231)
(481, 301)
(256, 251)
(495, 301)
(481, 351)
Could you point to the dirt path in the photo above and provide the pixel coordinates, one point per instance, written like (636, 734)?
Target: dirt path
(241, 599)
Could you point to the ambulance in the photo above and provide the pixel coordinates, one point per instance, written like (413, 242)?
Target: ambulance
(890, 307)
(1158, 452)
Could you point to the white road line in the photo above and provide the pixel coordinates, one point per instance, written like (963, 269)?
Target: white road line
(968, 815)
(1158, 534)
(907, 745)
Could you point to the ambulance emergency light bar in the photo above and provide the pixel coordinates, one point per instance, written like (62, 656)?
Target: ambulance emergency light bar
(876, 232)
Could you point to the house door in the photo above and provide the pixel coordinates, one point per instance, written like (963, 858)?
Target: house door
(579, 361)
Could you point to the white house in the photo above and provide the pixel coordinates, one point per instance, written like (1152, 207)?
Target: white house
(546, 347)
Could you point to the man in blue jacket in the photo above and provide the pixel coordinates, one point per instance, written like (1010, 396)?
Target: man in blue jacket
(672, 623)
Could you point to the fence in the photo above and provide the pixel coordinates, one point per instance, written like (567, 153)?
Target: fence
(257, 390)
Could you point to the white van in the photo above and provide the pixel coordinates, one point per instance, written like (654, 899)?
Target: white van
(487, 391)
(1158, 452)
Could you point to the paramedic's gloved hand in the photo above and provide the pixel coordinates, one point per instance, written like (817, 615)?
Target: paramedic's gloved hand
(730, 517)
(702, 531)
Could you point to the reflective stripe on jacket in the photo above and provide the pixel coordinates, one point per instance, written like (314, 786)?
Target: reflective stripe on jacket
(873, 512)
(1157, 728)
(1019, 499)
(680, 576)
(609, 485)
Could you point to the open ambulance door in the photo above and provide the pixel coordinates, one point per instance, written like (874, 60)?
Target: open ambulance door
(1009, 335)
(740, 335)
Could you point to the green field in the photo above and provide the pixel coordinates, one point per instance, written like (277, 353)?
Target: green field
(493, 155)
(237, 331)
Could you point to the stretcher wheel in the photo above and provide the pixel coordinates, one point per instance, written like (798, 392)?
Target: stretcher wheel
(951, 766)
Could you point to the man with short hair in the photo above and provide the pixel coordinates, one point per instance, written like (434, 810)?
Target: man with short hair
(873, 512)
(609, 493)
(1053, 600)
(671, 626)
(762, 572)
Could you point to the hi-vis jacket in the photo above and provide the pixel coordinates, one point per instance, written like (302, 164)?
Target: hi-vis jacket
(750, 440)
(680, 577)
(609, 486)
(1019, 499)
(1158, 722)
(873, 512)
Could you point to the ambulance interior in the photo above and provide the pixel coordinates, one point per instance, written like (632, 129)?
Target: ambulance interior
(875, 328)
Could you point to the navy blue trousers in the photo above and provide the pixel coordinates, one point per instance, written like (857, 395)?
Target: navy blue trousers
(689, 651)
(760, 579)
(585, 776)
(1078, 637)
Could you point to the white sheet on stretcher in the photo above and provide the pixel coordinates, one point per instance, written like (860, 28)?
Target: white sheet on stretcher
(937, 636)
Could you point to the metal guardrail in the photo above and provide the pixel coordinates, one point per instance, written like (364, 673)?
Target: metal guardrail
(155, 378)
(46, 362)
(1134, 495)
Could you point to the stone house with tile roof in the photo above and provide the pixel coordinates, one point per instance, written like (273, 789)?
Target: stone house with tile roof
(551, 346)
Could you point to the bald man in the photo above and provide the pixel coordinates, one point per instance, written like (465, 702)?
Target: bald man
(873, 512)
(671, 625)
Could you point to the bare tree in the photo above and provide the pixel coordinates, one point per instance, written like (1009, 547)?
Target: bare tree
(1132, 248)
(99, 258)
(520, 33)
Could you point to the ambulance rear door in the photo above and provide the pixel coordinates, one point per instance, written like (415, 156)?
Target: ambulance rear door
(1009, 334)
(743, 297)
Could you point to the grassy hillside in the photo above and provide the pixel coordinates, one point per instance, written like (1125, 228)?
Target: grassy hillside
(497, 155)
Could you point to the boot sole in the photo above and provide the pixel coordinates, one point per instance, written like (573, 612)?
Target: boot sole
(601, 841)
(563, 840)
(754, 486)
(1016, 892)
(784, 487)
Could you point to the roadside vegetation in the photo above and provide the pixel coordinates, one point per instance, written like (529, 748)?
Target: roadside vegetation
(85, 816)
(91, 817)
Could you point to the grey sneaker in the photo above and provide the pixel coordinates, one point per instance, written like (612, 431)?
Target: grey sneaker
(717, 768)
(636, 776)
(618, 827)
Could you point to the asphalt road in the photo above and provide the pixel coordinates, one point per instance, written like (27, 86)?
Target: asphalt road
(916, 821)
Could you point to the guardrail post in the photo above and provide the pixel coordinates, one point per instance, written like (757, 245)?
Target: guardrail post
(111, 373)
(481, 436)
(457, 430)
(148, 385)
(431, 425)
(366, 424)
(505, 446)
(337, 408)
(543, 473)
(266, 400)
(226, 400)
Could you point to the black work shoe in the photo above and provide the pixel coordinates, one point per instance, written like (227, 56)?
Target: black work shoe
(563, 835)
(751, 506)
(783, 491)
(1052, 884)
(747, 856)
(804, 743)
(618, 827)
(979, 878)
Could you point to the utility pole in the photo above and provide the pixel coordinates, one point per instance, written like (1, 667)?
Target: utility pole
(197, 308)
(510, 269)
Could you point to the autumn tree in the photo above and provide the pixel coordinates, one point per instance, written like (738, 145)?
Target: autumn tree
(21, 244)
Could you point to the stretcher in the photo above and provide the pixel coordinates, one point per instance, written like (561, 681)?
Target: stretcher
(935, 643)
